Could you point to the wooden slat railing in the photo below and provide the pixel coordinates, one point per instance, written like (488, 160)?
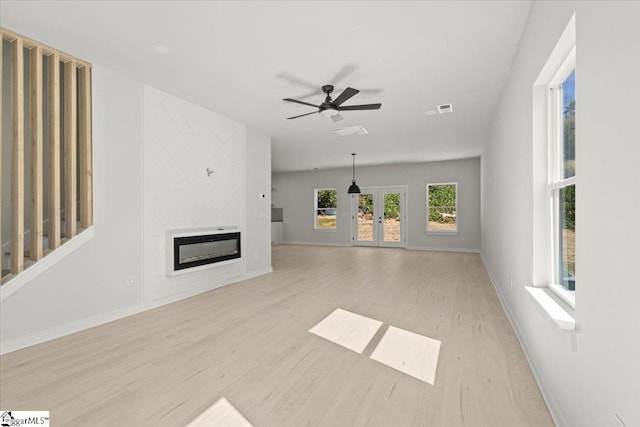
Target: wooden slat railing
(35, 75)
(70, 123)
(70, 182)
(17, 164)
(53, 178)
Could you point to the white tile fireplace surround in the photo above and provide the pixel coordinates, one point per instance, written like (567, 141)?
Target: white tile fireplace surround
(196, 249)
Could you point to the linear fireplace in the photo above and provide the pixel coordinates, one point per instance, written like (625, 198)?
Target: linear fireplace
(199, 249)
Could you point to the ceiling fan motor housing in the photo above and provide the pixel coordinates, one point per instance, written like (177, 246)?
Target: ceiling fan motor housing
(331, 108)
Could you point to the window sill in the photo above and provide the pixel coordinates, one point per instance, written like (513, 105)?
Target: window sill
(564, 294)
(445, 233)
(552, 309)
(326, 230)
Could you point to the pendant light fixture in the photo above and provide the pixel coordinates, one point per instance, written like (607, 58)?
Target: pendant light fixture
(354, 189)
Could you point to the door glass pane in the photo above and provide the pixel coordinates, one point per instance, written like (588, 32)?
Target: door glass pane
(391, 217)
(567, 246)
(365, 217)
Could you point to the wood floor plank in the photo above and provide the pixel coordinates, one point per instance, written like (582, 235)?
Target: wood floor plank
(249, 343)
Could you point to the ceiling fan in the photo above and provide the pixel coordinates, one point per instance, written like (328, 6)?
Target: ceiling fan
(331, 108)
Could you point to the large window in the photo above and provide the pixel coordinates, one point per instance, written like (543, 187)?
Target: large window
(562, 175)
(325, 208)
(442, 207)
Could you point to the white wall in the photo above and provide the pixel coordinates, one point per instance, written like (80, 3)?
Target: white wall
(294, 192)
(258, 243)
(602, 378)
(182, 141)
(90, 281)
(88, 287)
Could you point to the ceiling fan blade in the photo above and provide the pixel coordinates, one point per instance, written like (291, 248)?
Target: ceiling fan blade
(360, 107)
(300, 102)
(336, 118)
(342, 73)
(301, 115)
(345, 95)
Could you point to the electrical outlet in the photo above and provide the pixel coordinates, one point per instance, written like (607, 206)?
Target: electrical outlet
(129, 282)
(510, 283)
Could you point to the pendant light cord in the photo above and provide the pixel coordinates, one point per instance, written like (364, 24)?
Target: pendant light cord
(354, 167)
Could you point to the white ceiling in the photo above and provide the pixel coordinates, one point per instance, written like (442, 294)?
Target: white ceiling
(241, 58)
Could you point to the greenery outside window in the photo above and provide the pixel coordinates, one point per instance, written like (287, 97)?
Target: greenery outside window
(442, 207)
(562, 174)
(325, 208)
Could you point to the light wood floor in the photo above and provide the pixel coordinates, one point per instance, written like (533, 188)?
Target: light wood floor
(248, 342)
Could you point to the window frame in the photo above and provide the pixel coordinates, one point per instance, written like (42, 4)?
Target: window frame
(428, 208)
(316, 209)
(555, 180)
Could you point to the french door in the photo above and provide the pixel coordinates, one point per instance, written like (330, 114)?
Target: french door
(379, 215)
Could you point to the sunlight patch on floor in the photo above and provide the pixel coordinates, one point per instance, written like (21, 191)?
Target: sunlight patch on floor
(413, 354)
(220, 414)
(347, 329)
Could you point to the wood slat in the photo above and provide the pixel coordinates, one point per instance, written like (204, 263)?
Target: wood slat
(70, 146)
(53, 179)
(17, 173)
(36, 88)
(85, 142)
(47, 50)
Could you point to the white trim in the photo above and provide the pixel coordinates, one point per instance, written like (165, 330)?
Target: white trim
(316, 243)
(429, 231)
(378, 193)
(564, 183)
(17, 282)
(437, 249)
(565, 69)
(547, 393)
(563, 293)
(442, 232)
(315, 210)
(8, 346)
(554, 310)
(257, 273)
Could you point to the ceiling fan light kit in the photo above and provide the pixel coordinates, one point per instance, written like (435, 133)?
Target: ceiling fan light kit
(332, 107)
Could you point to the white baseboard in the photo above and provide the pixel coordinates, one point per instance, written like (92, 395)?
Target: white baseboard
(545, 390)
(68, 328)
(261, 272)
(316, 244)
(438, 249)
(15, 344)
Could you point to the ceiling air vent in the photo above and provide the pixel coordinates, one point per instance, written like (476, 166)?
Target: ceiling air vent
(445, 108)
(351, 130)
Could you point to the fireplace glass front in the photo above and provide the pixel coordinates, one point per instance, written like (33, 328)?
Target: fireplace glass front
(193, 251)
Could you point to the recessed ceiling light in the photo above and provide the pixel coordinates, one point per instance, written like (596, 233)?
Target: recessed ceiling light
(160, 49)
(445, 108)
(351, 130)
(431, 112)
